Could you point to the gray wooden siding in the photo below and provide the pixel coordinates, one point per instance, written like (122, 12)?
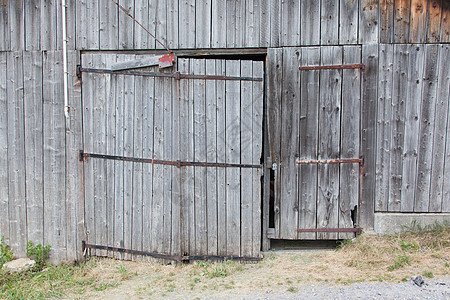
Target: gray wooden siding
(100, 25)
(160, 208)
(40, 190)
(412, 128)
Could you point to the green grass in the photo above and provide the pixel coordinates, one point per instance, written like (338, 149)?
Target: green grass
(53, 281)
(400, 261)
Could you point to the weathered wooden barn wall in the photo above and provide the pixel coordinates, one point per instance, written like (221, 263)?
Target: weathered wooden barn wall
(41, 196)
(412, 168)
(40, 176)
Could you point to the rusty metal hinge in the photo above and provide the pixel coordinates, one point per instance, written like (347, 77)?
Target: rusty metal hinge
(334, 67)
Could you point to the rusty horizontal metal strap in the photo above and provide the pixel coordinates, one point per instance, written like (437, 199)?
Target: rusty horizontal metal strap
(334, 67)
(176, 75)
(178, 163)
(331, 161)
(354, 229)
(179, 258)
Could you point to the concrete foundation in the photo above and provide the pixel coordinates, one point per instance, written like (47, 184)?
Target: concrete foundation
(389, 223)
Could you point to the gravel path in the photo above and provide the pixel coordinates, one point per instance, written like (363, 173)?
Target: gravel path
(430, 289)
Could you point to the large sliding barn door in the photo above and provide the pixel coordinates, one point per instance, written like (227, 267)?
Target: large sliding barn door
(172, 164)
(314, 121)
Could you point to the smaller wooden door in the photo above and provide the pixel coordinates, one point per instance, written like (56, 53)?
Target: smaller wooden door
(314, 136)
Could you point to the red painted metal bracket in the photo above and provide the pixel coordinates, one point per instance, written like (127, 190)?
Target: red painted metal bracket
(166, 60)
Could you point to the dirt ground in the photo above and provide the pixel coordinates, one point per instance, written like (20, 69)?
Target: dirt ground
(383, 271)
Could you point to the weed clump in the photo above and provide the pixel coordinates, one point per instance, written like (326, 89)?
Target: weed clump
(39, 253)
(5, 252)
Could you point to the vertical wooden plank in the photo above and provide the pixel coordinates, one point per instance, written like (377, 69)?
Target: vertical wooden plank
(218, 23)
(167, 170)
(142, 39)
(176, 172)
(186, 143)
(198, 68)
(183, 67)
(433, 25)
(71, 17)
(128, 150)
(289, 139)
(329, 22)
(418, 21)
(246, 146)
(161, 23)
(231, 24)
(89, 87)
(290, 23)
(240, 23)
(54, 156)
(152, 10)
(99, 146)
(411, 134)
(109, 24)
(221, 172)
(203, 24)
(92, 24)
(4, 194)
(119, 165)
(74, 168)
(136, 208)
(427, 121)
(368, 134)
(252, 25)
(264, 25)
(172, 24)
(148, 85)
(350, 120)
(5, 33)
(187, 24)
(257, 151)
(16, 154)
(211, 156)
(126, 25)
(32, 32)
(81, 27)
(34, 145)
(310, 22)
(384, 127)
(401, 21)
(275, 11)
(386, 21)
(368, 22)
(110, 148)
(348, 21)
(274, 84)
(445, 23)
(440, 131)
(400, 93)
(17, 25)
(308, 134)
(232, 155)
(329, 141)
(257, 156)
(158, 171)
